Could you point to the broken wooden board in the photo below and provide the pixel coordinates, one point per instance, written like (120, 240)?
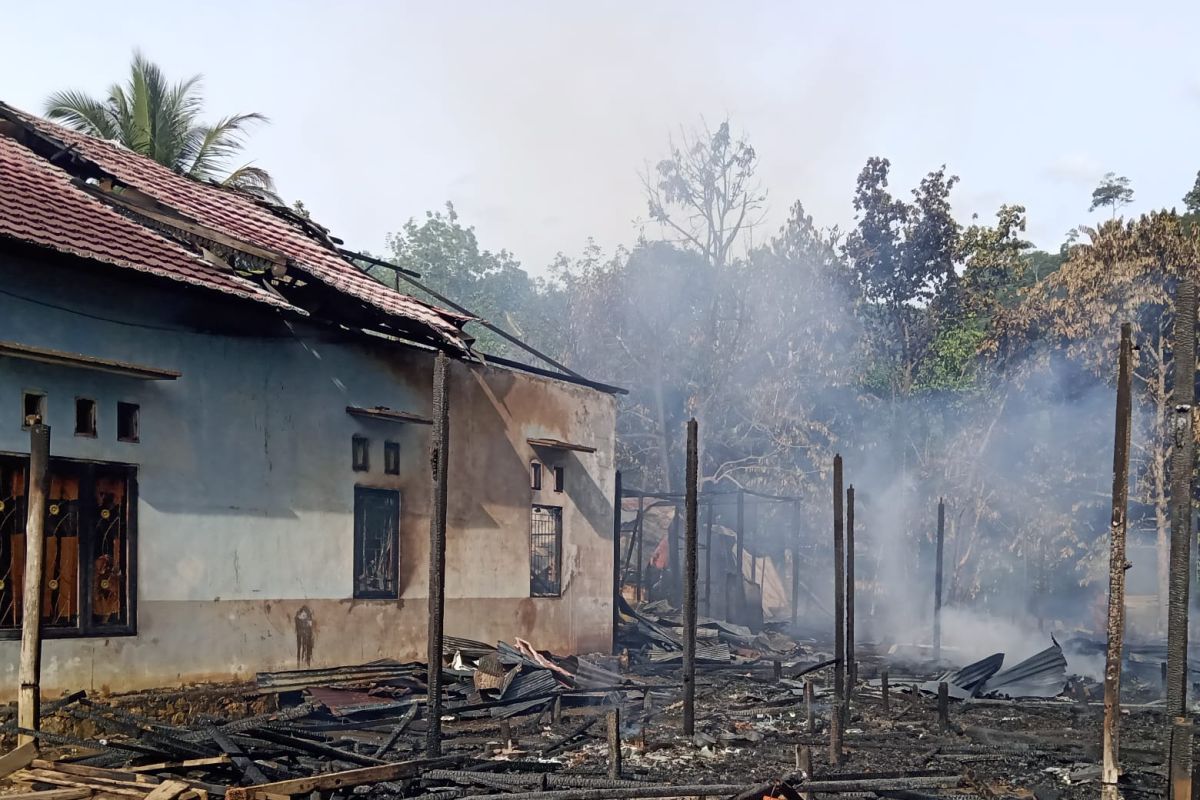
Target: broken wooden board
(340, 780)
(17, 759)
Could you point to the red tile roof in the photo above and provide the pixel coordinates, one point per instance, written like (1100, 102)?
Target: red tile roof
(39, 205)
(240, 217)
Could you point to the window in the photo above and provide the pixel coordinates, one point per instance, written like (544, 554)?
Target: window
(33, 404)
(559, 479)
(391, 458)
(360, 454)
(85, 417)
(376, 543)
(128, 422)
(535, 475)
(545, 551)
(88, 580)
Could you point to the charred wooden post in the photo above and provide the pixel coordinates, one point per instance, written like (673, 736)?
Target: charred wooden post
(753, 559)
(673, 565)
(1182, 466)
(1117, 565)
(839, 594)
(708, 525)
(614, 744)
(617, 577)
(851, 665)
(804, 766)
(1162, 677)
(30, 692)
(641, 537)
(885, 691)
(809, 709)
(440, 462)
(1180, 774)
(937, 581)
(796, 564)
(836, 753)
(689, 586)
(943, 706)
(777, 670)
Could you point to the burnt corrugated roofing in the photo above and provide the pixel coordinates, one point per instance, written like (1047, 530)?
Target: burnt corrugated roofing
(232, 213)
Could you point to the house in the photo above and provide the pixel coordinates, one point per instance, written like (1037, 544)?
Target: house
(240, 439)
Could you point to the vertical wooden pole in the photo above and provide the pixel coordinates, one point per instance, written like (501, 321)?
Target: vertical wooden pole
(689, 587)
(835, 735)
(885, 690)
(795, 563)
(440, 462)
(617, 577)
(1117, 563)
(937, 581)
(810, 713)
(851, 664)
(641, 534)
(1182, 466)
(839, 595)
(614, 744)
(30, 677)
(804, 765)
(943, 706)
(741, 536)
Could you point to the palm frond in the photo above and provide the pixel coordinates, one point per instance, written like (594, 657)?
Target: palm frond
(82, 113)
(216, 144)
(254, 181)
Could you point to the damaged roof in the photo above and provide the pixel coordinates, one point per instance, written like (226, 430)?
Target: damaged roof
(87, 197)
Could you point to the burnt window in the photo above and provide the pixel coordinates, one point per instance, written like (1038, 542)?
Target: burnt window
(85, 416)
(88, 581)
(559, 479)
(391, 458)
(545, 551)
(376, 543)
(128, 422)
(33, 405)
(360, 453)
(535, 475)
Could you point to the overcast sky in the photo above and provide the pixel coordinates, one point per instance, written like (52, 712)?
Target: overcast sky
(536, 118)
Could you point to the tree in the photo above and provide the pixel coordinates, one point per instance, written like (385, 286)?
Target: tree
(1191, 200)
(1113, 191)
(705, 191)
(161, 121)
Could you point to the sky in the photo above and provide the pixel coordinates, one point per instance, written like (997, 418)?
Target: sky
(537, 119)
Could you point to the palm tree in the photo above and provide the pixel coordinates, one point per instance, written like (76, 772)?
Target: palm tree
(162, 122)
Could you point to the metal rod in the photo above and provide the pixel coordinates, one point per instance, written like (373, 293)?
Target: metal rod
(30, 678)
(439, 457)
(839, 592)
(614, 744)
(1182, 466)
(708, 526)
(616, 592)
(937, 581)
(689, 587)
(1117, 564)
(851, 666)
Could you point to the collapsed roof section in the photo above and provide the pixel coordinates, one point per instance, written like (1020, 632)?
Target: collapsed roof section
(91, 198)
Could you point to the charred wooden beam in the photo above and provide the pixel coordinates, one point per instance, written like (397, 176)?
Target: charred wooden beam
(851, 666)
(795, 563)
(614, 743)
(1182, 467)
(30, 677)
(839, 592)
(1117, 564)
(689, 586)
(616, 577)
(440, 463)
(937, 580)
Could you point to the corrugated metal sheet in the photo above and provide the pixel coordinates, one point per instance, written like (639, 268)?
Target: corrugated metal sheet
(1041, 675)
(530, 684)
(718, 653)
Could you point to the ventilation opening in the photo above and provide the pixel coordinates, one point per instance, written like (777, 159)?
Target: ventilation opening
(535, 475)
(33, 408)
(85, 416)
(127, 422)
(391, 458)
(360, 454)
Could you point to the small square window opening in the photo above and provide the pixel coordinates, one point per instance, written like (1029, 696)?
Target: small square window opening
(360, 454)
(535, 475)
(128, 422)
(559, 479)
(85, 416)
(391, 458)
(33, 405)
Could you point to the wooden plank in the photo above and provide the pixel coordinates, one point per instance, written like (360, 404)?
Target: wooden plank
(340, 780)
(63, 358)
(168, 790)
(187, 763)
(59, 779)
(51, 794)
(555, 444)
(17, 759)
(387, 415)
(86, 771)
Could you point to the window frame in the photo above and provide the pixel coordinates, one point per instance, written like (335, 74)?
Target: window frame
(536, 471)
(84, 627)
(358, 441)
(360, 542)
(136, 438)
(391, 457)
(95, 422)
(42, 403)
(558, 549)
(560, 478)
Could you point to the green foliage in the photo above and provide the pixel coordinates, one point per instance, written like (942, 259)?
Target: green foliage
(1114, 191)
(1191, 200)
(162, 121)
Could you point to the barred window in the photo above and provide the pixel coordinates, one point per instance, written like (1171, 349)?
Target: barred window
(545, 551)
(376, 543)
(88, 580)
